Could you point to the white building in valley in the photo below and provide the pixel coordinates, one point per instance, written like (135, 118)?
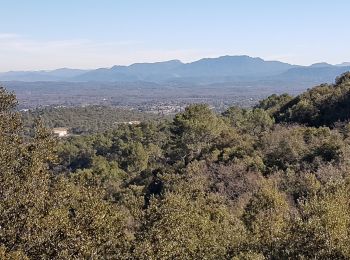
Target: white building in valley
(60, 131)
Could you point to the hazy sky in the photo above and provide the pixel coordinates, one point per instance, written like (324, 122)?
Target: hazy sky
(48, 34)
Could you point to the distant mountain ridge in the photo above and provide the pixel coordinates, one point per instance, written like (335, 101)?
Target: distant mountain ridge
(207, 70)
(313, 74)
(344, 64)
(42, 75)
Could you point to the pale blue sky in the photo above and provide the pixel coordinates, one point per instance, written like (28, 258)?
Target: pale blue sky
(48, 34)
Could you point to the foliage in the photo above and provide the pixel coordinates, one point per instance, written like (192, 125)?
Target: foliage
(322, 105)
(82, 120)
(201, 186)
(274, 102)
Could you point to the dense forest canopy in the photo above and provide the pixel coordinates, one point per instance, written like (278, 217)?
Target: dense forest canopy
(271, 182)
(322, 105)
(84, 120)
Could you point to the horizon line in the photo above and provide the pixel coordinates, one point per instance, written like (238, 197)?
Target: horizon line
(168, 60)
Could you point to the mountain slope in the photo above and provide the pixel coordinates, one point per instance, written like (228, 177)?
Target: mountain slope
(138, 71)
(232, 66)
(225, 66)
(322, 105)
(317, 74)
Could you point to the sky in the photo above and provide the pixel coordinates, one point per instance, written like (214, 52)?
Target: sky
(49, 34)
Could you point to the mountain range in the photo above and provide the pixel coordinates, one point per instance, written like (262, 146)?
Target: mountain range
(207, 70)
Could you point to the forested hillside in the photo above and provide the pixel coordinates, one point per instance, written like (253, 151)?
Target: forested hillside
(322, 105)
(271, 182)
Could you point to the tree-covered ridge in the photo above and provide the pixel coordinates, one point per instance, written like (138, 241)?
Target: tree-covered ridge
(322, 105)
(201, 186)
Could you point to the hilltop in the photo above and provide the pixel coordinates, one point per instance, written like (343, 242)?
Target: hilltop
(322, 105)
